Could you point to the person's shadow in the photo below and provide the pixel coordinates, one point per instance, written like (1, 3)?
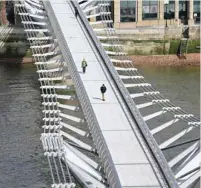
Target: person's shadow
(97, 98)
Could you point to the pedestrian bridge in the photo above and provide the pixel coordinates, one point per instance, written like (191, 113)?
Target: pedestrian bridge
(136, 138)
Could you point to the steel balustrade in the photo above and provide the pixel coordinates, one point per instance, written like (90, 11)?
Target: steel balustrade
(131, 65)
(39, 50)
(157, 154)
(85, 103)
(87, 109)
(167, 106)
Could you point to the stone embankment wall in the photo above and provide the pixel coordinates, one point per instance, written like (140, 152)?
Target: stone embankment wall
(18, 60)
(159, 41)
(158, 32)
(158, 47)
(155, 60)
(194, 32)
(15, 47)
(13, 42)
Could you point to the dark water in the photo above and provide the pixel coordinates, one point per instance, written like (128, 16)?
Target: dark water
(179, 84)
(22, 163)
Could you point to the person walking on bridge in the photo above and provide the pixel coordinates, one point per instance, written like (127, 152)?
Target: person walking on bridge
(84, 65)
(103, 90)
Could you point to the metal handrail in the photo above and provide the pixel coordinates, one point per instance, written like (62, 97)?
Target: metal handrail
(148, 89)
(42, 67)
(159, 96)
(156, 152)
(85, 102)
(39, 67)
(108, 32)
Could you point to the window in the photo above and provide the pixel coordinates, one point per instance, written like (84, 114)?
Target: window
(149, 10)
(183, 10)
(169, 10)
(128, 11)
(196, 11)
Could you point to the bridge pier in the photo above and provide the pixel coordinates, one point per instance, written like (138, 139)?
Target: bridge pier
(8, 13)
(3, 18)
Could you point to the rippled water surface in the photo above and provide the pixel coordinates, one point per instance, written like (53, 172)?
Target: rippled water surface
(22, 164)
(179, 84)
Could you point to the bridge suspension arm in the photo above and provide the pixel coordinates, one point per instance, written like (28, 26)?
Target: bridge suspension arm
(156, 152)
(53, 77)
(178, 114)
(81, 93)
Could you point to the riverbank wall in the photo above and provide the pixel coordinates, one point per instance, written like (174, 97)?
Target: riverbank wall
(13, 43)
(159, 32)
(17, 60)
(154, 60)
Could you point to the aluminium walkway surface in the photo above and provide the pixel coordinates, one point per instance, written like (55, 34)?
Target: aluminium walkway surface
(130, 161)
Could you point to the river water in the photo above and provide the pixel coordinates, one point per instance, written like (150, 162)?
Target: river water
(179, 84)
(22, 164)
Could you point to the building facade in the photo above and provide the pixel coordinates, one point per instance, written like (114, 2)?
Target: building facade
(134, 13)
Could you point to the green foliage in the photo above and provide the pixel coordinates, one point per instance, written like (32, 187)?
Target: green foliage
(12, 51)
(145, 41)
(174, 45)
(109, 49)
(158, 50)
(136, 52)
(192, 46)
(28, 53)
(66, 92)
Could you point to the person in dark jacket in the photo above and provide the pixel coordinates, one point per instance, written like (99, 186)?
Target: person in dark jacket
(76, 12)
(103, 90)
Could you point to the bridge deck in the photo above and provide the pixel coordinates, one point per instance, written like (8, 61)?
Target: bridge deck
(130, 161)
